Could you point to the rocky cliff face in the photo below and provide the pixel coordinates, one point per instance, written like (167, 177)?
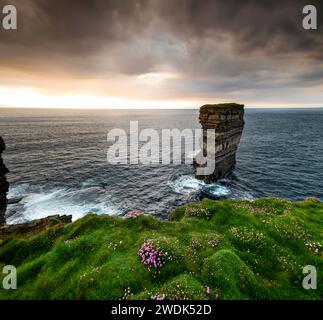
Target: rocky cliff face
(4, 185)
(226, 124)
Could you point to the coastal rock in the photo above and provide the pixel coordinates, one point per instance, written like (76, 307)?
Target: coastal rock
(34, 225)
(226, 124)
(4, 185)
(14, 200)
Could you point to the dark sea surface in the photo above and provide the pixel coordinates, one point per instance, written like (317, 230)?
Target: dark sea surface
(58, 164)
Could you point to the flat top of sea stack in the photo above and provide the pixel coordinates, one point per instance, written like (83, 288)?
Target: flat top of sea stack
(223, 106)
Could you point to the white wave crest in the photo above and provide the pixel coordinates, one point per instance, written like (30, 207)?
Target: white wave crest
(188, 184)
(39, 204)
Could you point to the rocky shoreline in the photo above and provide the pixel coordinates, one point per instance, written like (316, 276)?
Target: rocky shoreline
(26, 227)
(34, 226)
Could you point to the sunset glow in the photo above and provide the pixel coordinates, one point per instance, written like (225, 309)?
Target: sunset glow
(143, 55)
(29, 98)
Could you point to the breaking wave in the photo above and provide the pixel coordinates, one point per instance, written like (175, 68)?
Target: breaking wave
(37, 203)
(188, 185)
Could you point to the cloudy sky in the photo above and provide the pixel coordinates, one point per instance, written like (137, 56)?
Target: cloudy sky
(161, 53)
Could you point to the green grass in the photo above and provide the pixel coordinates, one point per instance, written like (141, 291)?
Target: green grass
(207, 107)
(239, 249)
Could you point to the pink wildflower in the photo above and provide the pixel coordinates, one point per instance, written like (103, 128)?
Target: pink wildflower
(151, 256)
(133, 214)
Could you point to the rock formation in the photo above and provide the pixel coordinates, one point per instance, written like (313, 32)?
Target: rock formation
(34, 226)
(4, 185)
(226, 122)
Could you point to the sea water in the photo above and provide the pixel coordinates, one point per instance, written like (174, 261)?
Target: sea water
(58, 164)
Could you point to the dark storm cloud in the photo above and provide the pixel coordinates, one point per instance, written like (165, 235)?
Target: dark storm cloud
(253, 23)
(56, 31)
(213, 45)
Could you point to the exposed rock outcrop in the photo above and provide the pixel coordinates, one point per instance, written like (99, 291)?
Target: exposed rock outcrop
(227, 123)
(34, 225)
(4, 185)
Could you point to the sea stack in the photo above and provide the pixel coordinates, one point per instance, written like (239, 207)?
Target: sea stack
(226, 123)
(4, 185)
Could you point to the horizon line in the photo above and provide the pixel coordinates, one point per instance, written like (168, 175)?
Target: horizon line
(156, 108)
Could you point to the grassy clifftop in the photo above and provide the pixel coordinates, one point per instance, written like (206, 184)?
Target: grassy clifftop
(209, 250)
(223, 106)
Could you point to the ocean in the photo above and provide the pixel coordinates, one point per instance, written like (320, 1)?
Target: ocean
(58, 162)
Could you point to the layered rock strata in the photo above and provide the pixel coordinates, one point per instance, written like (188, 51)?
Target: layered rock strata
(4, 185)
(222, 125)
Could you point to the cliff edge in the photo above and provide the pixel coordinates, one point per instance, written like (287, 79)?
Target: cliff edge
(4, 185)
